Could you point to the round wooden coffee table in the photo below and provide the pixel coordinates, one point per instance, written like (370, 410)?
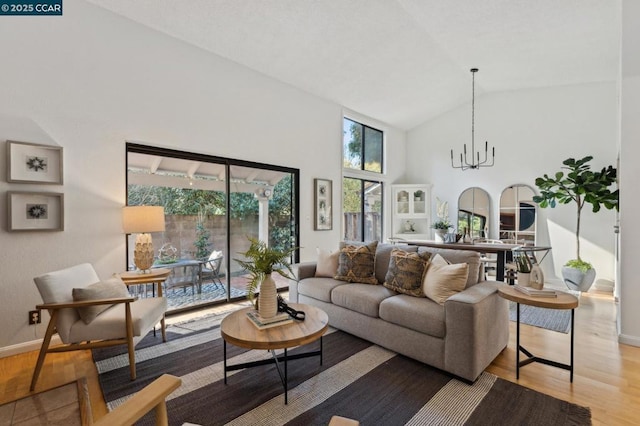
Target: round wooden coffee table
(561, 301)
(237, 329)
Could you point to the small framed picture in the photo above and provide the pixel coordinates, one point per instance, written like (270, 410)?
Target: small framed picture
(323, 203)
(35, 211)
(34, 163)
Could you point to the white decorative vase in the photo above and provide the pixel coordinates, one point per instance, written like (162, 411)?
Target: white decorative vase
(440, 233)
(537, 277)
(524, 278)
(268, 298)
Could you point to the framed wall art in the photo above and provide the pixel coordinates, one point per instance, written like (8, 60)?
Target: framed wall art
(34, 163)
(35, 211)
(323, 204)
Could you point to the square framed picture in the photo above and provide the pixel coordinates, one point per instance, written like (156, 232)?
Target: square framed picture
(34, 163)
(35, 211)
(323, 203)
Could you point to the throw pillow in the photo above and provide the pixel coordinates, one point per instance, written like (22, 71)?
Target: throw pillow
(406, 272)
(327, 264)
(108, 289)
(443, 280)
(356, 264)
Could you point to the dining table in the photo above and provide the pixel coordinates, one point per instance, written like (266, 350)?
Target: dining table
(503, 252)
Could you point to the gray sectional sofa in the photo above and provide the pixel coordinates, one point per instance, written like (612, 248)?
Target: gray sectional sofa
(462, 337)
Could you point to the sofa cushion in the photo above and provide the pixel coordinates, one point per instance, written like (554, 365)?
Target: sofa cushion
(383, 256)
(472, 258)
(362, 298)
(416, 313)
(443, 280)
(406, 272)
(318, 288)
(113, 288)
(356, 264)
(327, 264)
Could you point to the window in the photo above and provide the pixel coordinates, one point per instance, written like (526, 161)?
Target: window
(358, 142)
(361, 186)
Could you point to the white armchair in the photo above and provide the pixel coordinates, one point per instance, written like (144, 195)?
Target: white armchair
(88, 313)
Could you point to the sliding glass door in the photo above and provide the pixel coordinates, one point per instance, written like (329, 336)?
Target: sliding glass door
(261, 207)
(212, 207)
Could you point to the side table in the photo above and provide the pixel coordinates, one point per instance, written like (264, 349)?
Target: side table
(155, 276)
(562, 301)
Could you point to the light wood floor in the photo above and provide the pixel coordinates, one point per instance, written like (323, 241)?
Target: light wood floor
(606, 378)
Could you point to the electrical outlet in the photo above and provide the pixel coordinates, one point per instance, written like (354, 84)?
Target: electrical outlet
(34, 317)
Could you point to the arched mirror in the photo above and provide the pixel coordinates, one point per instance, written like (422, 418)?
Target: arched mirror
(473, 212)
(518, 215)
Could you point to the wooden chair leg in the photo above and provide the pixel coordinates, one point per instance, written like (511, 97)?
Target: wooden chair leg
(162, 417)
(130, 347)
(51, 327)
(164, 332)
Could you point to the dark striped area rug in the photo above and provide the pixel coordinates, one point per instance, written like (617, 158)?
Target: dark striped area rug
(357, 380)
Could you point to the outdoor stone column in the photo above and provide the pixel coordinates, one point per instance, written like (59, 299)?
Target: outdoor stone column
(263, 218)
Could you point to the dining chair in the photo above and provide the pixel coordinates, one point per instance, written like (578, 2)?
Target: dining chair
(89, 313)
(490, 260)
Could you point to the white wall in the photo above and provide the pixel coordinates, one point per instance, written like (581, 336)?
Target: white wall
(629, 292)
(90, 80)
(533, 131)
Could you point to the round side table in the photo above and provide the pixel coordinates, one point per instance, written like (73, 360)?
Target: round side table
(561, 301)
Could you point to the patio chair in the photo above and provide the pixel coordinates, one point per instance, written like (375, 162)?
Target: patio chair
(88, 313)
(211, 268)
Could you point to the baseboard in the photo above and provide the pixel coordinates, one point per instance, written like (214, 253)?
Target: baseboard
(20, 348)
(629, 340)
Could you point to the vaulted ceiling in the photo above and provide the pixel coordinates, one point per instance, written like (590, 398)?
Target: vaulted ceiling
(399, 61)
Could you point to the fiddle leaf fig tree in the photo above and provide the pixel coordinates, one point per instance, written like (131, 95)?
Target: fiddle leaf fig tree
(581, 186)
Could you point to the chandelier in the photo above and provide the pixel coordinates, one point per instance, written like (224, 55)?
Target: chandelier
(475, 163)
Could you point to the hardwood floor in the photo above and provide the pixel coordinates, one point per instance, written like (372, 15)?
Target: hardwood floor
(606, 377)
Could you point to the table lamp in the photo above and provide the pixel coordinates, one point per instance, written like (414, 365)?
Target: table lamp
(143, 220)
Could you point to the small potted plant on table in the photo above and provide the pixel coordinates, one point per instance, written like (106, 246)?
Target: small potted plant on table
(523, 266)
(261, 261)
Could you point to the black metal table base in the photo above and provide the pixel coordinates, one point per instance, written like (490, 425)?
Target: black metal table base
(284, 358)
(532, 358)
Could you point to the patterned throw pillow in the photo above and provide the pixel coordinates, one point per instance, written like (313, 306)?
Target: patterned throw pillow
(443, 280)
(406, 272)
(356, 264)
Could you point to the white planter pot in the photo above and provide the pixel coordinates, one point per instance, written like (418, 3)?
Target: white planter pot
(439, 234)
(268, 298)
(577, 280)
(524, 278)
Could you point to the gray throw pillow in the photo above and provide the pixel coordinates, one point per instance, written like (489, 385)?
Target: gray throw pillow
(108, 289)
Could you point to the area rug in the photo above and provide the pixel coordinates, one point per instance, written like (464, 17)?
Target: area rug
(551, 319)
(64, 405)
(357, 380)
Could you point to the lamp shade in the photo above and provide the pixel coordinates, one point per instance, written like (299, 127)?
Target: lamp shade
(142, 219)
